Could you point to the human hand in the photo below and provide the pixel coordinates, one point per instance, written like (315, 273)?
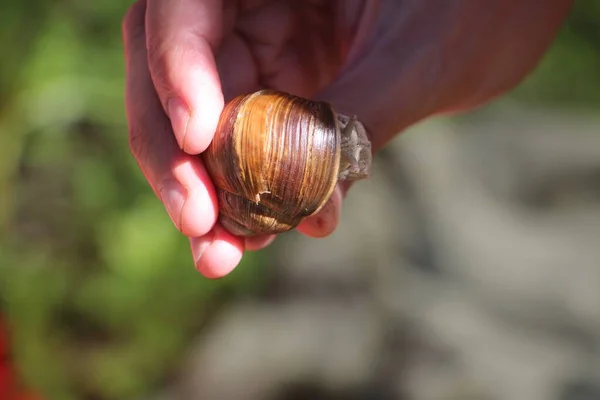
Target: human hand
(191, 56)
(391, 63)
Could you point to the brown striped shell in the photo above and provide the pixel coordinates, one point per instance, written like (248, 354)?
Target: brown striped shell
(275, 159)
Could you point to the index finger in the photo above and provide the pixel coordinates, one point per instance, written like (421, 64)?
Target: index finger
(182, 38)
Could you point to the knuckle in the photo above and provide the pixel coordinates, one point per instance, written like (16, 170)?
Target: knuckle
(137, 144)
(157, 56)
(133, 23)
(161, 64)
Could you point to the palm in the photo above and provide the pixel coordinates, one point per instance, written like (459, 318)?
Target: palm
(287, 45)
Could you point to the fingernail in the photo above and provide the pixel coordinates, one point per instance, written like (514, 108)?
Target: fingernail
(179, 114)
(173, 195)
(199, 246)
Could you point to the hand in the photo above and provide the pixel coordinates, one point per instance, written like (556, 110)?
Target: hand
(391, 63)
(184, 59)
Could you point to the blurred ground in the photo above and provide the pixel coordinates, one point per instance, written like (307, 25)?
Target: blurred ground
(473, 273)
(467, 268)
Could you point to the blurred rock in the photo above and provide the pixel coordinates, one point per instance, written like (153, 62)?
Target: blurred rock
(255, 350)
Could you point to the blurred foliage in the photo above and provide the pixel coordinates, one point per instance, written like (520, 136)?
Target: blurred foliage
(569, 75)
(97, 284)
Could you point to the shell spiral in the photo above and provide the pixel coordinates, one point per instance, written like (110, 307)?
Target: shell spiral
(274, 160)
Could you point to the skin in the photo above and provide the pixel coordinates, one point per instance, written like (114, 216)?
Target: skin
(390, 62)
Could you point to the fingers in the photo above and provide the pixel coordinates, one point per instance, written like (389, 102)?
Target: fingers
(179, 179)
(259, 242)
(217, 253)
(182, 37)
(325, 221)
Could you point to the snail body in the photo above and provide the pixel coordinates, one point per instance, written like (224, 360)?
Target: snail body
(276, 158)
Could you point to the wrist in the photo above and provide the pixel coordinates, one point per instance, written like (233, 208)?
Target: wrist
(419, 59)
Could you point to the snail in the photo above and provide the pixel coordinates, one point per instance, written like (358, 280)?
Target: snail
(276, 158)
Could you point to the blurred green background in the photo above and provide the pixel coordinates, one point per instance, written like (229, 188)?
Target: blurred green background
(88, 259)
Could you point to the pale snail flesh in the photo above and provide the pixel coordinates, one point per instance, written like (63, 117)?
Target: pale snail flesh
(276, 158)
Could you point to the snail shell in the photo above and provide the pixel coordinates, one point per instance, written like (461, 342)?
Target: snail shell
(275, 159)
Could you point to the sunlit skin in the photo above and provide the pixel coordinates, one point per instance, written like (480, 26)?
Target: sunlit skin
(392, 63)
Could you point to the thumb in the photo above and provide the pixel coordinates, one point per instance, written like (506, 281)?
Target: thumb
(182, 37)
